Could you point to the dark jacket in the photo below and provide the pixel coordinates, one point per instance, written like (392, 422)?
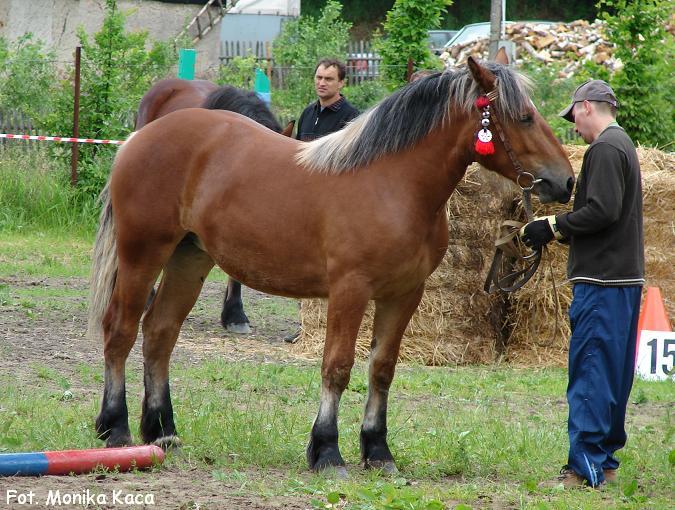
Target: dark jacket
(605, 225)
(315, 123)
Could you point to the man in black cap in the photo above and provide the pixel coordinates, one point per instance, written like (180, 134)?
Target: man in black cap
(331, 111)
(606, 268)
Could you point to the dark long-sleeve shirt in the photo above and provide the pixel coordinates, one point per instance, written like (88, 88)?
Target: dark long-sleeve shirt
(605, 225)
(315, 122)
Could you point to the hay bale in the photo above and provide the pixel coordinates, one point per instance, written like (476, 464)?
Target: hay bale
(458, 323)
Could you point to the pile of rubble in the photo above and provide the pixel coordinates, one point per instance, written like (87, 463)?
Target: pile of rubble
(570, 43)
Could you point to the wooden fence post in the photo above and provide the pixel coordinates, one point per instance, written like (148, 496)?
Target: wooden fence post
(76, 118)
(409, 70)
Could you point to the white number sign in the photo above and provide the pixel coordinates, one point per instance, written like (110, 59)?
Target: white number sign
(656, 355)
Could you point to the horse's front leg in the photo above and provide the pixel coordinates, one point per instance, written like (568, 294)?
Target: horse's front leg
(346, 306)
(391, 318)
(233, 318)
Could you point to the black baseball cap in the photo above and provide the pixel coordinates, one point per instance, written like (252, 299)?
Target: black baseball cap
(592, 90)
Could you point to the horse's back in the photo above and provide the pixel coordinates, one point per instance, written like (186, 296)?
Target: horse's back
(201, 151)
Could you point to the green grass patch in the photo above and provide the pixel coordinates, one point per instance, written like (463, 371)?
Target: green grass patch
(461, 436)
(35, 194)
(45, 253)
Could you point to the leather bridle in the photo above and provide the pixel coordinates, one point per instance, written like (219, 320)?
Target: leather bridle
(509, 241)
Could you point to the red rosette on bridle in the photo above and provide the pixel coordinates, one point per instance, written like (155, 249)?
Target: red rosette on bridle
(484, 145)
(484, 148)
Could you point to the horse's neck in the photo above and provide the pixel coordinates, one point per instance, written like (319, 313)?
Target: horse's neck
(438, 162)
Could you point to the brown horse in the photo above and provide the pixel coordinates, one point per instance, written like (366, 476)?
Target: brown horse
(355, 216)
(173, 94)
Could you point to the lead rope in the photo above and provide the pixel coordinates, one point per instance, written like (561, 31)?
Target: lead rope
(509, 229)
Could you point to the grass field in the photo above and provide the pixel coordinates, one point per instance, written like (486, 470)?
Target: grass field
(463, 437)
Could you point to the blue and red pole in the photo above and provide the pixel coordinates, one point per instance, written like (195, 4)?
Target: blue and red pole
(79, 461)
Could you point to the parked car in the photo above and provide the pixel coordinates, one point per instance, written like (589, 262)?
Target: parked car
(436, 39)
(474, 31)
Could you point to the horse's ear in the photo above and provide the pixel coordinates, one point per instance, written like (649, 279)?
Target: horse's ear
(483, 76)
(502, 57)
(288, 130)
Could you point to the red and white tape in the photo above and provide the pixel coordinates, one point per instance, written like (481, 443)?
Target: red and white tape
(60, 139)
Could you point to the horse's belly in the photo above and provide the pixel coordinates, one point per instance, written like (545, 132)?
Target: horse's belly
(272, 271)
(289, 282)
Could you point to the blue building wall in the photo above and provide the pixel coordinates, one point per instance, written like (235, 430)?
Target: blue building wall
(251, 27)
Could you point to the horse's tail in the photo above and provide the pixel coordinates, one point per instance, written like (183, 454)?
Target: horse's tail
(104, 267)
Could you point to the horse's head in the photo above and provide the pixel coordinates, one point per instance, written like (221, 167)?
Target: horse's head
(518, 128)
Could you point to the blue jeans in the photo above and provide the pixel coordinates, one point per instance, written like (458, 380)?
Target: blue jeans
(601, 366)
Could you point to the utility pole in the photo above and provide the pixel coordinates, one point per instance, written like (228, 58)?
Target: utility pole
(495, 28)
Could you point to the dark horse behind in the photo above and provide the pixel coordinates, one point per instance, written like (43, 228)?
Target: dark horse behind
(355, 216)
(173, 94)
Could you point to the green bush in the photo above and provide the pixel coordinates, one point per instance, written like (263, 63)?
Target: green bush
(366, 94)
(405, 36)
(116, 71)
(27, 76)
(645, 83)
(240, 72)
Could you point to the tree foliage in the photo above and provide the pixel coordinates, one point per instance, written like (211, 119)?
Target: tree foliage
(240, 72)
(27, 75)
(644, 85)
(405, 36)
(116, 70)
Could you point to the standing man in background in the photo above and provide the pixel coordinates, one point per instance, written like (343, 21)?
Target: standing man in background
(332, 110)
(606, 268)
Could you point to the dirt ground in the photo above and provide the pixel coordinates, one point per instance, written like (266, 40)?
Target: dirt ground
(55, 338)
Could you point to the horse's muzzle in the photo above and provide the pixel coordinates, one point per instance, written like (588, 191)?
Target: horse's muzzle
(554, 187)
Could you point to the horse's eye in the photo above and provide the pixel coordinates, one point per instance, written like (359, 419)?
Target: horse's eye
(527, 119)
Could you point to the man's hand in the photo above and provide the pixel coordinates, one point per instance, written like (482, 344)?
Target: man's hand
(539, 232)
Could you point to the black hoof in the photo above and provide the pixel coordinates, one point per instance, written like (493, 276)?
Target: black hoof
(239, 329)
(323, 457)
(375, 453)
(233, 315)
(157, 426)
(113, 436)
(388, 467)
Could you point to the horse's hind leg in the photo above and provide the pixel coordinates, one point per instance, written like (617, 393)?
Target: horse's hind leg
(346, 306)
(120, 328)
(391, 318)
(233, 317)
(179, 288)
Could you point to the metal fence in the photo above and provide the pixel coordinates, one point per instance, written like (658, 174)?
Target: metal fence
(363, 63)
(16, 122)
